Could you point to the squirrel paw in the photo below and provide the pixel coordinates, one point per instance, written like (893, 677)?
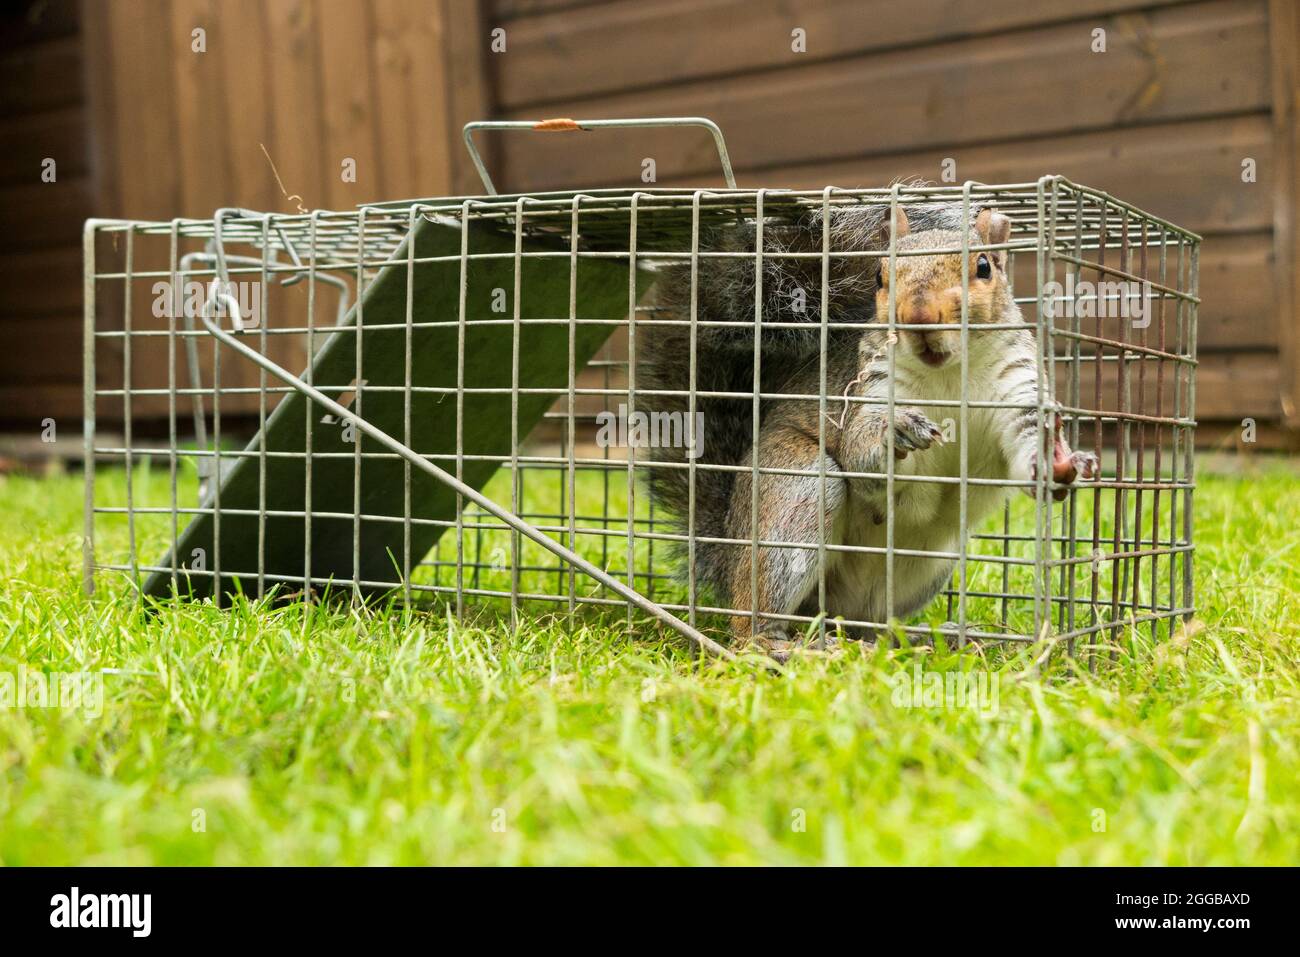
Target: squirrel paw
(1067, 464)
(913, 432)
(1067, 468)
(779, 646)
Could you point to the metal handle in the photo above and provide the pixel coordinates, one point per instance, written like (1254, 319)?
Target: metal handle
(564, 125)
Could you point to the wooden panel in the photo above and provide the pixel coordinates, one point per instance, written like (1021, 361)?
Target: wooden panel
(1237, 293)
(635, 44)
(24, 407)
(1284, 31)
(1227, 437)
(297, 140)
(28, 355)
(512, 9)
(40, 268)
(324, 81)
(348, 103)
(178, 132)
(1233, 385)
(1189, 173)
(42, 76)
(145, 175)
(200, 104)
(30, 21)
(1175, 63)
(412, 88)
(468, 95)
(249, 118)
(1229, 385)
(43, 214)
(26, 140)
(41, 282)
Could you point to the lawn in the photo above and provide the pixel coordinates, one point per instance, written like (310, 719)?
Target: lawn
(316, 735)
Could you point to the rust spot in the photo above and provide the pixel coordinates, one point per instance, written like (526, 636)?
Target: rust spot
(557, 125)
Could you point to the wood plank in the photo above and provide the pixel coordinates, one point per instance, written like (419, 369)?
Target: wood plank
(41, 76)
(1284, 32)
(1188, 173)
(1227, 437)
(297, 141)
(1238, 302)
(1233, 385)
(469, 95)
(1229, 386)
(1237, 296)
(41, 282)
(349, 104)
(38, 215)
(26, 140)
(200, 103)
(411, 89)
(249, 117)
(31, 21)
(634, 44)
(515, 9)
(945, 94)
(27, 358)
(100, 122)
(23, 408)
(142, 111)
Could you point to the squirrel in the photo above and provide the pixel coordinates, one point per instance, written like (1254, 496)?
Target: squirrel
(1003, 443)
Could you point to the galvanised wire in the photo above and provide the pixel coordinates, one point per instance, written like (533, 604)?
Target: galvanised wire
(1145, 496)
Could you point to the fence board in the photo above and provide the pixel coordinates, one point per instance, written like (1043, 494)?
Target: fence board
(635, 44)
(1177, 63)
(1189, 173)
(26, 140)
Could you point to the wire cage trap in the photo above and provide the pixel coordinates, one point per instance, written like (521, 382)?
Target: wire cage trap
(438, 400)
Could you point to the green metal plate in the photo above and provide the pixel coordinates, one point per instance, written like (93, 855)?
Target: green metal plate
(602, 294)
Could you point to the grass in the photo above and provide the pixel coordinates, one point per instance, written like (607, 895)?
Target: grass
(315, 735)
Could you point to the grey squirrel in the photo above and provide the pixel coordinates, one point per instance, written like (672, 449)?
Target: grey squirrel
(1003, 443)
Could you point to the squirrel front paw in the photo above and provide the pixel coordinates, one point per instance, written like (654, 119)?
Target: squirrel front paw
(1067, 469)
(913, 432)
(1068, 466)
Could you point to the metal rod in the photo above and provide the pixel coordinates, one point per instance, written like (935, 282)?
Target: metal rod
(469, 492)
(568, 125)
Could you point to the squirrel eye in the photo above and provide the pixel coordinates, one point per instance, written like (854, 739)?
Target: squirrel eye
(983, 269)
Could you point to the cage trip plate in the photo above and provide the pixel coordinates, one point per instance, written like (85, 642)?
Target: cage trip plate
(601, 293)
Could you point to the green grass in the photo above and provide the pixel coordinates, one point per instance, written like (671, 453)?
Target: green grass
(310, 735)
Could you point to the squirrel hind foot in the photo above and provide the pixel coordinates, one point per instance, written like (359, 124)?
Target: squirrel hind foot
(779, 645)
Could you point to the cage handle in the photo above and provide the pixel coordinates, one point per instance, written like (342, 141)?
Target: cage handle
(565, 125)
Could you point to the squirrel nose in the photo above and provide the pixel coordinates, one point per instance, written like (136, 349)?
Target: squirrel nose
(920, 314)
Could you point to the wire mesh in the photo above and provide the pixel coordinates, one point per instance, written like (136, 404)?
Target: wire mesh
(568, 283)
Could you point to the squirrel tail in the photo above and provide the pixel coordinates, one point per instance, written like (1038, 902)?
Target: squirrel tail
(725, 434)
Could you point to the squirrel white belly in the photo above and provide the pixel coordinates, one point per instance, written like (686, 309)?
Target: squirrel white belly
(927, 515)
(1003, 443)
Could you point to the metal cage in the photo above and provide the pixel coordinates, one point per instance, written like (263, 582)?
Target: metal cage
(403, 400)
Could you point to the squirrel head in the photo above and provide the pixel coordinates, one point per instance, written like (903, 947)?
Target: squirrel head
(928, 287)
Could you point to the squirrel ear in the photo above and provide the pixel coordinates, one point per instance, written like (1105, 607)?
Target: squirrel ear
(993, 228)
(901, 226)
